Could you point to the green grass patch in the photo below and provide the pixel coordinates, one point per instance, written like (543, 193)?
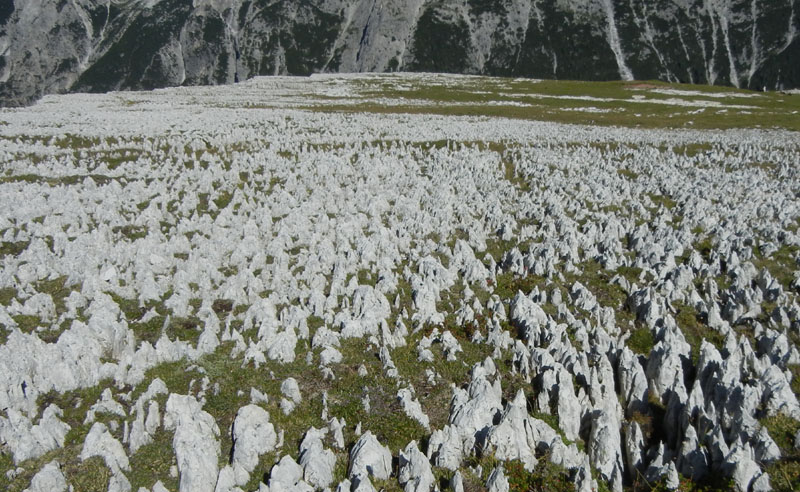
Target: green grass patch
(662, 201)
(694, 330)
(7, 294)
(152, 462)
(508, 284)
(784, 474)
(130, 231)
(641, 340)
(628, 174)
(781, 264)
(13, 248)
(543, 100)
(546, 477)
(56, 181)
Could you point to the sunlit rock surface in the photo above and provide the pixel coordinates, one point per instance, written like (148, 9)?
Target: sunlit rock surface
(254, 288)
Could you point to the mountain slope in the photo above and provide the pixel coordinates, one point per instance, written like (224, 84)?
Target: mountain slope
(55, 46)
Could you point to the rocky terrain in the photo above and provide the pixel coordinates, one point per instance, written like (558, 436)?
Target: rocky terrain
(54, 46)
(270, 287)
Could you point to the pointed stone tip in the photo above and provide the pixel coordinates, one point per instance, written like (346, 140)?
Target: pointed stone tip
(519, 399)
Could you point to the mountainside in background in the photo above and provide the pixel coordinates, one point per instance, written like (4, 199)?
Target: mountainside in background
(52, 46)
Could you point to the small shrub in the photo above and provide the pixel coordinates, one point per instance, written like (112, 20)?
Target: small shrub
(641, 340)
(545, 477)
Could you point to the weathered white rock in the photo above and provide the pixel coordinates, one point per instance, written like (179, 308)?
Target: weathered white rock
(370, 308)
(473, 411)
(634, 447)
(317, 462)
(444, 448)
(99, 442)
(450, 346)
(369, 457)
(514, 437)
(362, 483)
(569, 409)
(336, 426)
(778, 395)
(159, 487)
(633, 381)
(388, 364)
(457, 482)
(28, 441)
(415, 474)
(105, 404)
(692, 459)
(665, 372)
(497, 481)
(528, 316)
(374, 209)
(227, 479)
(412, 407)
(291, 390)
(153, 419)
(253, 435)
(48, 479)
(741, 466)
(344, 486)
(257, 397)
(329, 355)
(605, 449)
(195, 442)
(287, 476)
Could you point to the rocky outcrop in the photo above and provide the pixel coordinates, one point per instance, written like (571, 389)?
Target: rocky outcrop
(48, 479)
(94, 45)
(253, 435)
(608, 334)
(195, 442)
(369, 458)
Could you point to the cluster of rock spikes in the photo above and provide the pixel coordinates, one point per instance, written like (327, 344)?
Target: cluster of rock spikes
(200, 297)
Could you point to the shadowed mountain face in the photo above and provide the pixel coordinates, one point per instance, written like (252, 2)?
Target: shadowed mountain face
(53, 46)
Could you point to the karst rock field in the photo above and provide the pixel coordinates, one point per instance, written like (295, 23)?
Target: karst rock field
(401, 282)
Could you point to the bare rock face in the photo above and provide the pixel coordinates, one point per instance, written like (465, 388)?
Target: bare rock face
(412, 407)
(605, 450)
(99, 442)
(514, 437)
(369, 458)
(744, 470)
(291, 391)
(253, 435)
(362, 483)
(497, 481)
(48, 479)
(317, 462)
(778, 395)
(415, 474)
(527, 315)
(31, 441)
(665, 371)
(91, 45)
(195, 442)
(445, 448)
(310, 247)
(457, 482)
(633, 381)
(288, 475)
(146, 422)
(472, 411)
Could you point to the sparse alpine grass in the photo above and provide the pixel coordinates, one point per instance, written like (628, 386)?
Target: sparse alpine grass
(160, 229)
